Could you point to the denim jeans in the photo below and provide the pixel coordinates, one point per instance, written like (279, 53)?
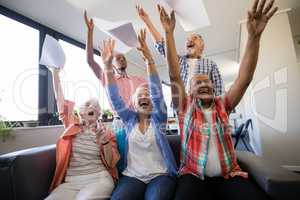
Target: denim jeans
(159, 188)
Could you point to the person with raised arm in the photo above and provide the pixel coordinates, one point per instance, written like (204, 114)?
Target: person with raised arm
(192, 62)
(127, 84)
(209, 167)
(86, 153)
(149, 170)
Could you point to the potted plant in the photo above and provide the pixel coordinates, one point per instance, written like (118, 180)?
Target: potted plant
(5, 129)
(107, 115)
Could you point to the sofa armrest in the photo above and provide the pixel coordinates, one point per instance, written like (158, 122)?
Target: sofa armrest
(276, 181)
(27, 174)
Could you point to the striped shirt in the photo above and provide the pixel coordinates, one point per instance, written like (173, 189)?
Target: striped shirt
(85, 155)
(203, 66)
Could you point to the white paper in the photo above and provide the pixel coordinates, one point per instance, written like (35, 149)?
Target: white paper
(52, 53)
(191, 14)
(122, 32)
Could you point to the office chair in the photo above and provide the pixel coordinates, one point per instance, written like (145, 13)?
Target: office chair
(237, 134)
(243, 134)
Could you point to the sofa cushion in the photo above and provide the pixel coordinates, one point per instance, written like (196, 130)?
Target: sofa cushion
(27, 174)
(276, 181)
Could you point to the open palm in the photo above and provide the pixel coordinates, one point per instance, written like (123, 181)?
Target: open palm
(107, 51)
(259, 16)
(143, 47)
(89, 22)
(168, 22)
(142, 13)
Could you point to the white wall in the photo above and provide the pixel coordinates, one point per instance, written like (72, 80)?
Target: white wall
(275, 91)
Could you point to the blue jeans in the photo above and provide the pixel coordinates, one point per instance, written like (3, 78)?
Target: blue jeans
(159, 188)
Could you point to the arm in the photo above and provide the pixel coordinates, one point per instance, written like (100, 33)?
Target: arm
(110, 150)
(64, 107)
(58, 92)
(156, 94)
(90, 50)
(258, 18)
(177, 86)
(159, 40)
(146, 19)
(112, 90)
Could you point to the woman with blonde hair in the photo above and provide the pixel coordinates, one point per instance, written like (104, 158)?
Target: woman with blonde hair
(149, 168)
(86, 153)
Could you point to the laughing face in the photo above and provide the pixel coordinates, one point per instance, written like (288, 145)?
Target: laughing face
(194, 46)
(141, 100)
(90, 111)
(201, 87)
(120, 62)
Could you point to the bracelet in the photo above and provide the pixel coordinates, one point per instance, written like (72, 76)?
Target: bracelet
(105, 143)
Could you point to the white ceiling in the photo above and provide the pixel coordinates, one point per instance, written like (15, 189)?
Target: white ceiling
(221, 37)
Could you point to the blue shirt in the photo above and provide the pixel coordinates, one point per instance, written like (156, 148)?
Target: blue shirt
(130, 118)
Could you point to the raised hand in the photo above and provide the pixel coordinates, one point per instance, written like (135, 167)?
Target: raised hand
(107, 51)
(142, 13)
(259, 16)
(89, 22)
(143, 47)
(168, 22)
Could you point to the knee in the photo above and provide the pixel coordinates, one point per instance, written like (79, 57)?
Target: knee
(125, 195)
(95, 191)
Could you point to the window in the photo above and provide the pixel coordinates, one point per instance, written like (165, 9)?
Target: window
(19, 70)
(168, 99)
(78, 80)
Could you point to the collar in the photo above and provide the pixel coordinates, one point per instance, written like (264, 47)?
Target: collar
(198, 57)
(119, 76)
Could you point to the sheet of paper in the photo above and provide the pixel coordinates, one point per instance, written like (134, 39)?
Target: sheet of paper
(191, 14)
(52, 53)
(122, 31)
(126, 34)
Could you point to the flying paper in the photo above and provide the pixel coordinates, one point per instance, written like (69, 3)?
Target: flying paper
(122, 32)
(52, 53)
(191, 14)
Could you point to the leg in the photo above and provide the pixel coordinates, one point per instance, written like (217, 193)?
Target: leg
(129, 188)
(99, 189)
(192, 188)
(161, 188)
(237, 188)
(62, 192)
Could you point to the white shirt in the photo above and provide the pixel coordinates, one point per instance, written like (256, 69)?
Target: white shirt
(144, 159)
(192, 62)
(213, 167)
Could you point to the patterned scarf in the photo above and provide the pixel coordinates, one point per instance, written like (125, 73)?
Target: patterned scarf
(195, 139)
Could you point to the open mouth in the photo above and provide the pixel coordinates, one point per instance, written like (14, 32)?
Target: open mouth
(144, 103)
(91, 113)
(204, 90)
(190, 45)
